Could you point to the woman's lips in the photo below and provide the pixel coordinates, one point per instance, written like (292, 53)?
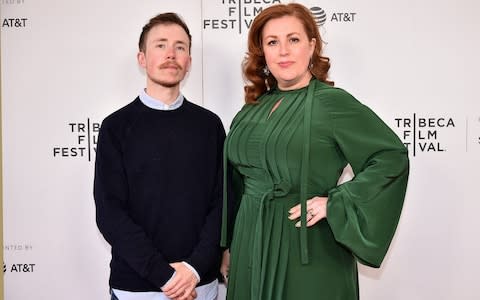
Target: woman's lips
(285, 64)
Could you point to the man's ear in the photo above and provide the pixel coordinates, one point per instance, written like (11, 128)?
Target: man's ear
(189, 66)
(141, 59)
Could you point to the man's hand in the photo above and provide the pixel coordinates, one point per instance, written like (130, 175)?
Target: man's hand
(182, 285)
(225, 266)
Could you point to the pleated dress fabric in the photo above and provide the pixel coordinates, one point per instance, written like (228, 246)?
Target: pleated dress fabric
(281, 157)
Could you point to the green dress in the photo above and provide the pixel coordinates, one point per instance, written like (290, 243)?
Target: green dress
(283, 157)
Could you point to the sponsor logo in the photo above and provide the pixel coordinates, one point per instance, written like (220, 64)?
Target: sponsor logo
(83, 143)
(473, 133)
(319, 15)
(343, 17)
(6, 2)
(478, 137)
(19, 268)
(17, 247)
(424, 133)
(14, 22)
(238, 14)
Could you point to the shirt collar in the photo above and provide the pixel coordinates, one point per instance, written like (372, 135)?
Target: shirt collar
(159, 104)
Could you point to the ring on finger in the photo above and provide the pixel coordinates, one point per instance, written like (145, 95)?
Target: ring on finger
(310, 214)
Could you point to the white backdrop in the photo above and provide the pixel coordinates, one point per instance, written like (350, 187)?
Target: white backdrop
(68, 64)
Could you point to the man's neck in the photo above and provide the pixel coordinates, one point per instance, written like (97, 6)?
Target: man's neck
(167, 95)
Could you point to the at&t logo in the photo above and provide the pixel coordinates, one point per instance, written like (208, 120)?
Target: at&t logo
(14, 22)
(321, 16)
(18, 268)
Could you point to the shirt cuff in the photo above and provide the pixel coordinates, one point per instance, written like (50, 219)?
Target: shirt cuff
(191, 269)
(173, 275)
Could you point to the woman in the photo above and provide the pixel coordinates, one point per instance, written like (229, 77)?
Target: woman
(298, 235)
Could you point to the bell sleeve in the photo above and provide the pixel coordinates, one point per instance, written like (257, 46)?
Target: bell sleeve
(363, 213)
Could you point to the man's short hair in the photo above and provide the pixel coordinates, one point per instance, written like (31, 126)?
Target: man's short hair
(163, 19)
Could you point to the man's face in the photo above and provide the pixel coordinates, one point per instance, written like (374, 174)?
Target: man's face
(166, 58)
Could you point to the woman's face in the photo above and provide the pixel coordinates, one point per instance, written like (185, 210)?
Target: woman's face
(287, 51)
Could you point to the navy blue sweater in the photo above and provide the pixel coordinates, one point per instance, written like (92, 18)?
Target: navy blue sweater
(157, 192)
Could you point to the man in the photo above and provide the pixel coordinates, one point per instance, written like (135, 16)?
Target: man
(158, 179)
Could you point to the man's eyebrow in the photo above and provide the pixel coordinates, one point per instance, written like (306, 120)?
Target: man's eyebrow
(165, 40)
(160, 40)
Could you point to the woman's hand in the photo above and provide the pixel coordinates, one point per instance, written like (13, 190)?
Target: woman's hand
(225, 266)
(316, 210)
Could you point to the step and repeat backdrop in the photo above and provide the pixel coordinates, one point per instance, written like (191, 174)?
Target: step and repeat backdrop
(68, 64)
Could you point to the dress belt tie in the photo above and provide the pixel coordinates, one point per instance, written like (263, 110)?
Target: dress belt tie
(280, 189)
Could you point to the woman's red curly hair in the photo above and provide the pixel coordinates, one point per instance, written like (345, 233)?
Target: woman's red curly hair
(254, 61)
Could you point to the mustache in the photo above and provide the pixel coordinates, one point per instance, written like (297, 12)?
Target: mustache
(170, 64)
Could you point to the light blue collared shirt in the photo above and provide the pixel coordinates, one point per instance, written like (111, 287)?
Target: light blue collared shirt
(158, 104)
